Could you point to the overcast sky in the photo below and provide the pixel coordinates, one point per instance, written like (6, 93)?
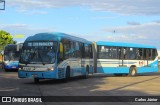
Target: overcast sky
(135, 21)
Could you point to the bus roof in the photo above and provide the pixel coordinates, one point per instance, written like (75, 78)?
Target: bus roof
(10, 45)
(124, 44)
(54, 37)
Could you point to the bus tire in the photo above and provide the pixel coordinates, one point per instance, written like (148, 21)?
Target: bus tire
(87, 73)
(67, 75)
(117, 74)
(36, 80)
(132, 71)
(6, 70)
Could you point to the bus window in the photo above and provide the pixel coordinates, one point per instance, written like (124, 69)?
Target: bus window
(149, 54)
(66, 44)
(122, 53)
(88, 51)
(125, 53)
(72, 49)
(77, 50)
(144, 54)
(140, 54)
(154, 54)
(114, 53)
(104, 52)
(131, 53)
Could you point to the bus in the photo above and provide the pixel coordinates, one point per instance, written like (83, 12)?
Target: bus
(124, 58)
(55, 56)
(159, 59)
(11, 57)
(159, 56)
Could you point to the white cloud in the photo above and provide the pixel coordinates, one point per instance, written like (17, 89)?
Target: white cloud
(133, 23)
(13, 25)
(127, 7)
(24, 29)
(148, 33)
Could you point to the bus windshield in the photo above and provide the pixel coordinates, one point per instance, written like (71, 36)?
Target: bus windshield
(10, 53)
(38, 52)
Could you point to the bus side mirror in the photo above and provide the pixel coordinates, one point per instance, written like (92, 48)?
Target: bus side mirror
(61, 48)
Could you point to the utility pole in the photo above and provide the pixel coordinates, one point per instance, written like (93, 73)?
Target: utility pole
(114, 38)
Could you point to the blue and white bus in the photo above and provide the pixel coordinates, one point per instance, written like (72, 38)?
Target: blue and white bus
(55, 56)
(11, 57)
(124, 58)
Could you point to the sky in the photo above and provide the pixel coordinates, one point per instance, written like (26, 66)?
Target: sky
(131, 21)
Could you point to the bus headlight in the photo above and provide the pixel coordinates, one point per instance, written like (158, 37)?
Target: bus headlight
(20, 68)
(50, 68)
(6, 63)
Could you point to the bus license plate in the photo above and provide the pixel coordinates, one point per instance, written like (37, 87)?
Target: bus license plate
(34, 75)
(13, 67)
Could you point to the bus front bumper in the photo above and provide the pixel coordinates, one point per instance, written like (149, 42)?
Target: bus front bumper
(37, 74)
(10, 67)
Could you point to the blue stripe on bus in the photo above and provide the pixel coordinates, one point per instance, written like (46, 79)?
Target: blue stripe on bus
(112, 69)
(151, 68)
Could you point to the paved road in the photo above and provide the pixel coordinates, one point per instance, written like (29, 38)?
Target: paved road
(96, 85)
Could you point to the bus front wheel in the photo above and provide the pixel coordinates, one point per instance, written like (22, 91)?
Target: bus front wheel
(67, 75)
(132, 72)
(87, 73)
(6, 70)
(36, 80)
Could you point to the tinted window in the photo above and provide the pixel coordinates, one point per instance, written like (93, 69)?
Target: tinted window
(114, 53)
(71, 49)
(154, 54)
(131, 53)
(139, 54)
(122, 53)
(88, 51)
(107, 52)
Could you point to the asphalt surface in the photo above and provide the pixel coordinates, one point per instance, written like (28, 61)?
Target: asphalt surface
(97, 85)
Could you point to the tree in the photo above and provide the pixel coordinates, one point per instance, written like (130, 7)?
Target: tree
(5, 38)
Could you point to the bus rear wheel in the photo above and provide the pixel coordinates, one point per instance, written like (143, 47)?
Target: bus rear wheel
(132, 72)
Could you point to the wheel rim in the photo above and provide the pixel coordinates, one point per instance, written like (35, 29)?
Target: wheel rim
(133, 72)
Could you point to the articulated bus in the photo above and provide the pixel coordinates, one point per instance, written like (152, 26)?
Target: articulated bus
(55, 56)
(11, 57)
(124, 58)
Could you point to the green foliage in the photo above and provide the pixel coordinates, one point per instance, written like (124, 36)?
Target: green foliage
(5, 38)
